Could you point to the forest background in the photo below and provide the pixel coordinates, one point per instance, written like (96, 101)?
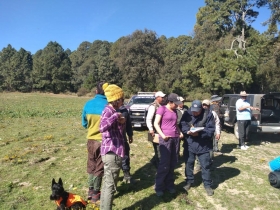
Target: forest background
(225, 54)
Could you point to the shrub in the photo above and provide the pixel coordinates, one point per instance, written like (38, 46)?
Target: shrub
(82, 92)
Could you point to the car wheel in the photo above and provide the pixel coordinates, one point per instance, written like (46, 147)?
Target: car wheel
(274, 179)
(236, 130)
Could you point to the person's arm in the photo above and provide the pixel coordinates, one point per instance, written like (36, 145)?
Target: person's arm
(209, 128)
(129, 130)
(179, 131)
(157, 127)
(107, 119)
(185, 123)
(246, 106)
(217, 126)
(84, 119)
(149, 118)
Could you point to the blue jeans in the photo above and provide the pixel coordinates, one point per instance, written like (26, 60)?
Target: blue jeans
(169, 151)
(112, 166)
(204, 160)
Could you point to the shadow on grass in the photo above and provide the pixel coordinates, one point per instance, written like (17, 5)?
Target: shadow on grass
(152, 201)
(145, 178)
(222, 174)
(219, 175)
(259, 138)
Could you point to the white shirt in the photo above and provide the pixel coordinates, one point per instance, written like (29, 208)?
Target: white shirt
(217, 123)
(150, 116)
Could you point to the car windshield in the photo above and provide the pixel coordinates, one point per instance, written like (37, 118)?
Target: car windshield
(143, 100)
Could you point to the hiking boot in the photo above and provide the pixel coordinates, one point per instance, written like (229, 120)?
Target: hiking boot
(90, 193)
(95, 197)
(187, 186)
(159, 193)
(209, 191)
(127, 177)
(172, 191)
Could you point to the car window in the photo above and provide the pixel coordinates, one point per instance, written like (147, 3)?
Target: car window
(131, 100)
(143, 100)
(233, 101)
(225, 100)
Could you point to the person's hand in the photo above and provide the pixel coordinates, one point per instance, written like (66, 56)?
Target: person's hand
(166, 138)
(152, 133)
(195, 134)
(217, 137)
(130, 139)
(181, 135)
(192, 134)
(121, 118)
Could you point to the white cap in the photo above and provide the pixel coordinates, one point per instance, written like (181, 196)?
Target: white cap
(181, 99)
(206, 101)
(159, 94)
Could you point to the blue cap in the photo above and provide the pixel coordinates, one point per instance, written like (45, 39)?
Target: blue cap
(196, 106)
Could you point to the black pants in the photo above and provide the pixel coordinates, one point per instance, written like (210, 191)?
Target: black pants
(156, 157)
(243, 130)
(126, 158)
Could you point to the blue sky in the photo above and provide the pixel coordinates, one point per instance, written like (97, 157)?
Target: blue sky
(31, 24)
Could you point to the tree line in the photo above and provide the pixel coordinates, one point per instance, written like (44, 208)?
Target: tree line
(225, 54)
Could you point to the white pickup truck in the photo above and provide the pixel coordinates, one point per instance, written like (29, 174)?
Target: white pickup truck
(138, 106)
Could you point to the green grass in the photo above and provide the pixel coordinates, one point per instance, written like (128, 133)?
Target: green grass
(41, 138)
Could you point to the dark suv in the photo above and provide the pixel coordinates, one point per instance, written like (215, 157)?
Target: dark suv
(267, 120)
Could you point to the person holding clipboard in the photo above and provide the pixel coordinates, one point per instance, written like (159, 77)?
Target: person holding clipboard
(198, 127)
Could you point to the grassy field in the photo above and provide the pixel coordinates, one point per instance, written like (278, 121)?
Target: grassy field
(41, 138)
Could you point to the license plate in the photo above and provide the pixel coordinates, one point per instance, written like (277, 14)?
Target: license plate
(137, 125)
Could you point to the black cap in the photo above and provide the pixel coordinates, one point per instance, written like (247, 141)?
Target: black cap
(174, 98)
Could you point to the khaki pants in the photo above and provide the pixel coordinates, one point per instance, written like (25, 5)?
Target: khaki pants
(112, 166)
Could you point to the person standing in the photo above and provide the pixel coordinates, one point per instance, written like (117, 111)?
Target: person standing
(128, 139)
(112, 147)
(91, 119)
(181, 109)
(159, 99)
(243, 115)
(215, 106)
(216, 136)
(169, 144)
(199, 143)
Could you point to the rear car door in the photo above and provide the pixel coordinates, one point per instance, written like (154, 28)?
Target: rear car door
(270, 109)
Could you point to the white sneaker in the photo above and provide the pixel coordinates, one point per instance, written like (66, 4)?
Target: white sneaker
(243, 148)
(247, 146)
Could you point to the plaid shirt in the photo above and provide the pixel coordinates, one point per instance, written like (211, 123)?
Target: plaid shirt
(112, 132)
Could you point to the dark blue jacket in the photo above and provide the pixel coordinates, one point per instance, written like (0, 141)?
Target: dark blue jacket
(128, 127)
(203, 142)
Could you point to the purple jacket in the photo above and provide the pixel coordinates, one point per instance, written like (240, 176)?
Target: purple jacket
(112, 132)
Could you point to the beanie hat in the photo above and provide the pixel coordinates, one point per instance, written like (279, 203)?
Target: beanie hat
(113, 92)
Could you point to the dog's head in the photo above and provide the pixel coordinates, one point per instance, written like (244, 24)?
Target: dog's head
(57, 189)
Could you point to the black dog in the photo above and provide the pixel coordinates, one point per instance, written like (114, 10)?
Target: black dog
(65, 200)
